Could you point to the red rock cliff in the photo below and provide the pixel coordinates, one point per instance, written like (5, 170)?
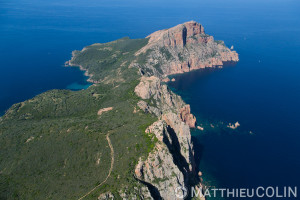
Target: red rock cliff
(187, 117)
(183, 48)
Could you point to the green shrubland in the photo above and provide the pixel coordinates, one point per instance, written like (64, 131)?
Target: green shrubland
(54, 146)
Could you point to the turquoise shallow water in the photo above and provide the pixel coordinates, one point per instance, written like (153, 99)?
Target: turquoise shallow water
(262, 91)
(77, 86)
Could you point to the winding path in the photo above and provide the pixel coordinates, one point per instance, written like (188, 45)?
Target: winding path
(112, 153)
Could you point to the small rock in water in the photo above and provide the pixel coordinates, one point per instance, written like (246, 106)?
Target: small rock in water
(233, 126)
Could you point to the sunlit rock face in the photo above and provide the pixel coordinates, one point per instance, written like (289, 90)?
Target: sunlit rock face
(183, 48)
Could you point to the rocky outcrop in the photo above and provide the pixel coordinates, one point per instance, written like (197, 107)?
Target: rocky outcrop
(168, 166)
(171, 164)
(147, 87)
(187, 117)
(233, 126)
(183, 48)
(178, 36)
(106, 196)
(156, 94)
(140, 192)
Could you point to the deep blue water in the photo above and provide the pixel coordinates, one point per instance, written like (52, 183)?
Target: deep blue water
(262, 91)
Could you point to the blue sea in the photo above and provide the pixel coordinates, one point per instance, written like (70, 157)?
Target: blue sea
(261, 92)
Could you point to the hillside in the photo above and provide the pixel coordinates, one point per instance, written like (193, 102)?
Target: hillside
(126, 136)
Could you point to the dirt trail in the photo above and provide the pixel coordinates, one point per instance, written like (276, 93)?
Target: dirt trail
(112, 153)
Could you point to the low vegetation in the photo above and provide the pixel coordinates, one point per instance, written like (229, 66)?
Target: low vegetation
(54, 146)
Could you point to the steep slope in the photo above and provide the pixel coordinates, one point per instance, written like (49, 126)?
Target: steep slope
(183, 48)
(171, 164)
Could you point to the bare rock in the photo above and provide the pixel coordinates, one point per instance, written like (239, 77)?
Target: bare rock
(160, 169)
(141, 192)
(233, 126)
(199, 173)
(187, 117)
(106, 196)
(157, 128)
(147, 87)
(148, 109)
(183, 48)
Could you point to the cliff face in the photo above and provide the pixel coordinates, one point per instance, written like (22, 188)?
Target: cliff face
(171, 164)
(187, 117)
(183, 48)
(180, 49)
(162, 100)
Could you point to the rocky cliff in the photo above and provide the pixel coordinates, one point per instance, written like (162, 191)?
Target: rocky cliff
(171, 165)
(180, 49)
(183, 48)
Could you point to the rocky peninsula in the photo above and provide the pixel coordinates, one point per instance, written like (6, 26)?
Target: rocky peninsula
(129, 134)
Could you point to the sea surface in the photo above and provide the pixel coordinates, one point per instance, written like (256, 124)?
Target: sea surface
(261, 92)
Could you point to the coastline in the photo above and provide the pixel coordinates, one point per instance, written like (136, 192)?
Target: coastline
(170, 160)
(172, 77)
(220, 65)
(69, 63)
(208, 180)
(86, 72)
